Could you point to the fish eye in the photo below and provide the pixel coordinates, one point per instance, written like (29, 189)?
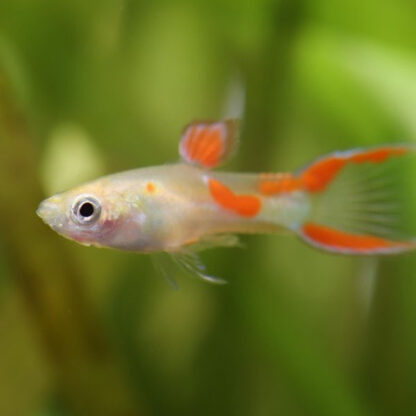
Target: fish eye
(86, 210)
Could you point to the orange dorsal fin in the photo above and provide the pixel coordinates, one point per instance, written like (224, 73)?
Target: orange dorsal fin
(208, 144)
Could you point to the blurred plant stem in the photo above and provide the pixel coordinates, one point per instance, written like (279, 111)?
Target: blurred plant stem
(50, 282)
(269, 84)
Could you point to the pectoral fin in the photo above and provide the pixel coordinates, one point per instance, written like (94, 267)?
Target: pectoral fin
(190, 263)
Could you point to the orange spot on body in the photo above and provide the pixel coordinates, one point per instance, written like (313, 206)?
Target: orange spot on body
(244, 205)
(150, 187)
(320, 174)
(344, 241)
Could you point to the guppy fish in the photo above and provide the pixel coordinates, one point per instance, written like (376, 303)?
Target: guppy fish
(344, 202)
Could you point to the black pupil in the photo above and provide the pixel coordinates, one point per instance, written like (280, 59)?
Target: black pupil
(86, 209)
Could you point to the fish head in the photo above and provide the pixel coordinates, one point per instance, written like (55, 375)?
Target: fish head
(97, 214)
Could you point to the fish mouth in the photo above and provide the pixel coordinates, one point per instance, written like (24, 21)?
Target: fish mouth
(40, 212)
(50, 212)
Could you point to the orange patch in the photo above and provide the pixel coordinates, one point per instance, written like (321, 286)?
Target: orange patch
(344, 241)
(203, 144)
(150, 187)
(378, 155)
(317, 177)
(208, 143)
(244, 205)
(278, 183)
(320, 174)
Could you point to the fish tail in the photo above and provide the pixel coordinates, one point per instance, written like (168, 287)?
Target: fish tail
(362, 201)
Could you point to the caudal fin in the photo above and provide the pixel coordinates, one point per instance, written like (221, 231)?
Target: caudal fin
(362, 201)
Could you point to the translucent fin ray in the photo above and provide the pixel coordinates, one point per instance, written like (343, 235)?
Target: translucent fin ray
(362, 201)
(190, 263)
(165, 267)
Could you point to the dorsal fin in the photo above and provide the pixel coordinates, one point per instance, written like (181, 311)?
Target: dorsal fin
(208, 144)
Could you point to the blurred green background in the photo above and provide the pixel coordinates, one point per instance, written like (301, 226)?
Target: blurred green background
(93, 87)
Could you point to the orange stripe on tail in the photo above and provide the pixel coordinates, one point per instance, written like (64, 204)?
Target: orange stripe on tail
(342, 242)
(274, 184)
(316, 177)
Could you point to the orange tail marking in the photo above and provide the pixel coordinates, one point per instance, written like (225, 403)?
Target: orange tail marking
(338, 240)
(244, 205)
(278, 183)
(321, 173)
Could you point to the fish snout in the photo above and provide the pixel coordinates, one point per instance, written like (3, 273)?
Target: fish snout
(50, 211)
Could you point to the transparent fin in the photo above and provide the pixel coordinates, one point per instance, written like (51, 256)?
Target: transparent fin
(190, 263)
(367, 207)
(168, 264)
(165, 267)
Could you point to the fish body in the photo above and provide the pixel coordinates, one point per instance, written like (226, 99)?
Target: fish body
(344, 202)
(164, 208)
